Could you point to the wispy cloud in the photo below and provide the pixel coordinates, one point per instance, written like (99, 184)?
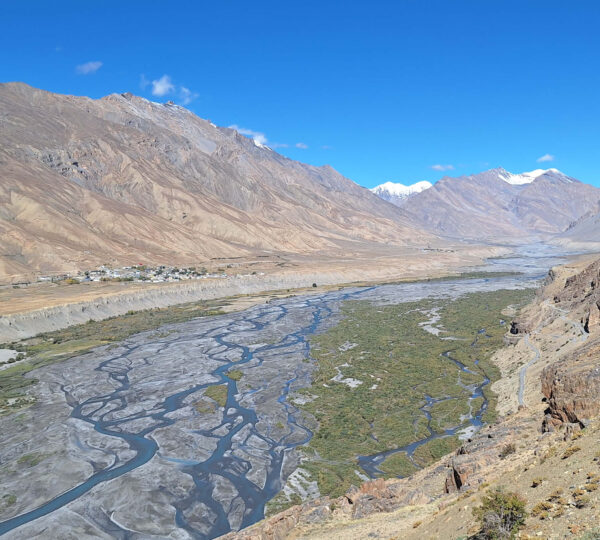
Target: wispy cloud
(144, 82)
(88, 68)
(186, 96)
(257, 136)
(261, 139)
(326, 147)
(439, 167)
(545, 158)
(163, 86)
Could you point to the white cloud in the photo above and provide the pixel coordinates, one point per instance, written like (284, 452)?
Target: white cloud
(301, 145)
(257, 136)
(442, 167)
(545, 157)
(326, 147)
(163, 86)
(88, 67)
(186, 95)
(279, 145)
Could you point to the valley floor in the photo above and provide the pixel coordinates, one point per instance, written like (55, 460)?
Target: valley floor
(42, 307)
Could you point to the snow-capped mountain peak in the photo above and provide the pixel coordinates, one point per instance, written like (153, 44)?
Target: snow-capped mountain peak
(526, 177)
(396, 192)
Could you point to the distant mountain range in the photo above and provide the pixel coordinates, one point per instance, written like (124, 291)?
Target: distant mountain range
(496, 204)
(122, 180)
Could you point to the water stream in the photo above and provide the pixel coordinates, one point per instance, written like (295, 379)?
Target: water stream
(245, 434)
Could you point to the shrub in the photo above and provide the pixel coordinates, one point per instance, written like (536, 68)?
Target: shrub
(541, 509)
(570, 451)
(508, 449)
(555, 495)
(501, 515)
(537, 482)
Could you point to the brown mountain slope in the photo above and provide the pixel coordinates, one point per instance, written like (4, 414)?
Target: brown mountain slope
(124, 179)
(488, 205)
(583, 234)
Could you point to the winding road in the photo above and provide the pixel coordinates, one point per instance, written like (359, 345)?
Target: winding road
(523, 372)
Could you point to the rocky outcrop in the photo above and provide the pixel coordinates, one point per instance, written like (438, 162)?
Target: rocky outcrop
(591, 322)
(582, 288)
(379, 496)
(572, 388)
(467, 468)
(371, 498)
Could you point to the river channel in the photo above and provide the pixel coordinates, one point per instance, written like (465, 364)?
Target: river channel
(131, 448)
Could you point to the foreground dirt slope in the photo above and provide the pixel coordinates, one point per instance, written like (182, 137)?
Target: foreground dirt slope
(122, 179)
(546, 449)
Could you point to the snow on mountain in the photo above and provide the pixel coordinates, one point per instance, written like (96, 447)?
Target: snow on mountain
(395, 192)
(526, 177)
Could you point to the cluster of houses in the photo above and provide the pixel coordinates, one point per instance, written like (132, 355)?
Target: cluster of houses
(157, 274)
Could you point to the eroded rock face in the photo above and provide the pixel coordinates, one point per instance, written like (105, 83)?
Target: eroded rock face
(468, 467)
(582, 286)
(591, 323)
(378, 496)
(581, 293)
(572, 388)
(372, 497)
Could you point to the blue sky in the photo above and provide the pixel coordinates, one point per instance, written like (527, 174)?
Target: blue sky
(381, 90)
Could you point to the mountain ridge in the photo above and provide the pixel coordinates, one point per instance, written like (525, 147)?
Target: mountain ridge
(125, 179)
(496, 204)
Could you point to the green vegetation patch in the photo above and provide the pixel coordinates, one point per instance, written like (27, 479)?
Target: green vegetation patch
(9, 499)
(235, 374)
(378, 365)
(398, 465)
(31, 460)
(218, 393)
(281, 502)
(61, 345)
(435, 449)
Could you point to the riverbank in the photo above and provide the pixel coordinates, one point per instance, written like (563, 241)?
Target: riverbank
(25, 312)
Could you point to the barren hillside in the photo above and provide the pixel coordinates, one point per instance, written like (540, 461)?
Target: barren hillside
(122, 180)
